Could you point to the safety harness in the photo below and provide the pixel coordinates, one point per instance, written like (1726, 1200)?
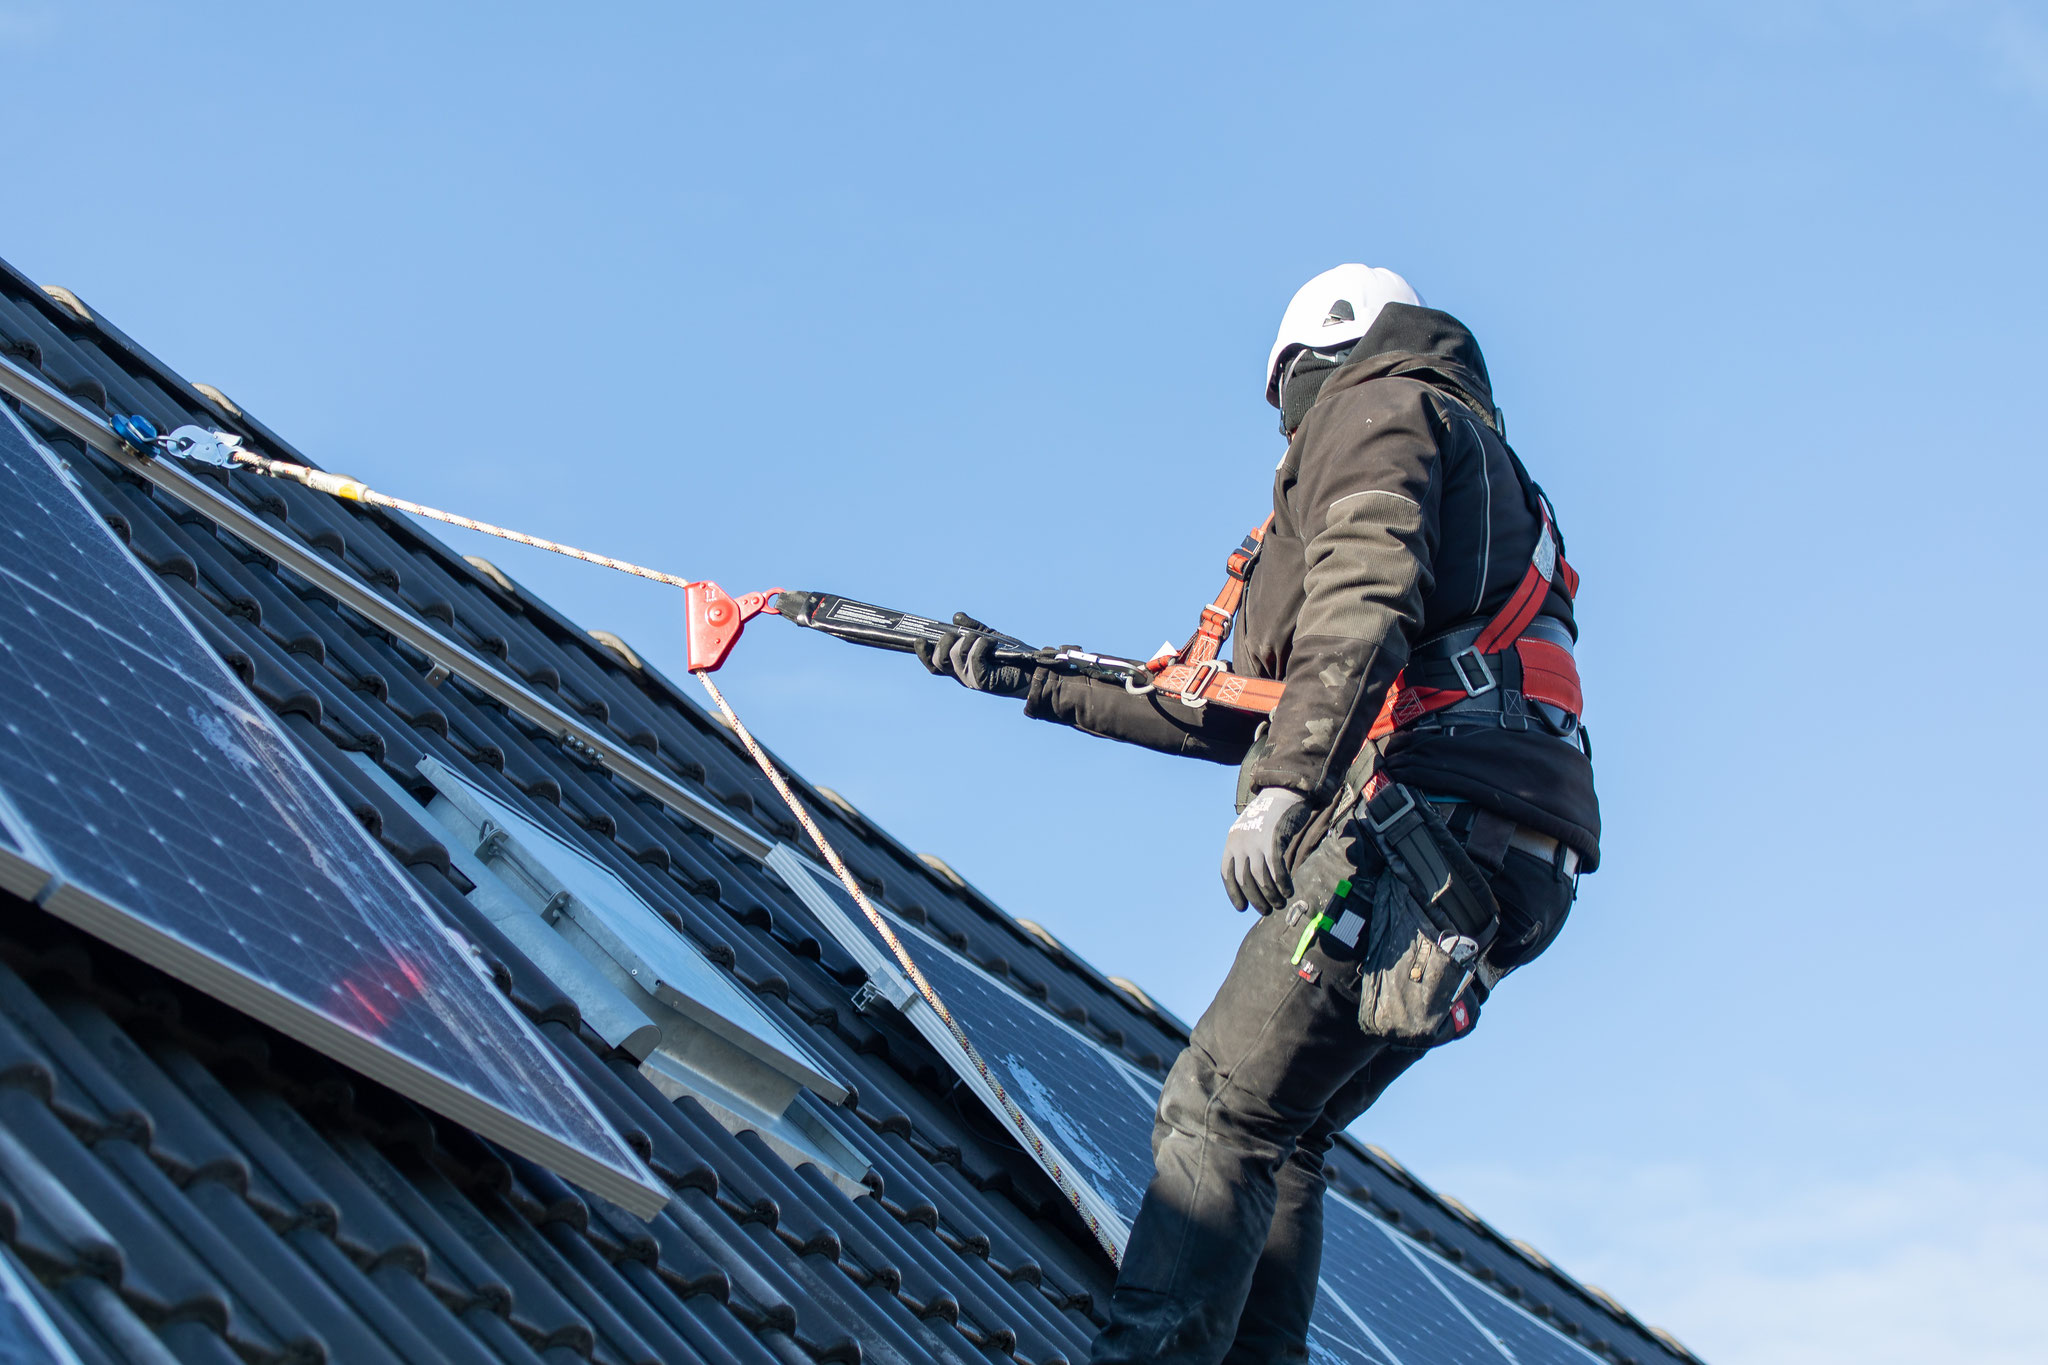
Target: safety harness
(1492, 667)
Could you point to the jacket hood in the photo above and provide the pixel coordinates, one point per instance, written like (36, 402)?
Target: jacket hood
(1424, 344)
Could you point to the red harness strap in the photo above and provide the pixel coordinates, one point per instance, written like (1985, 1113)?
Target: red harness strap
(1197, 676)
(1549, 673)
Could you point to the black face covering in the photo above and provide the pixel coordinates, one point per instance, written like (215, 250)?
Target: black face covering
(1301, 382)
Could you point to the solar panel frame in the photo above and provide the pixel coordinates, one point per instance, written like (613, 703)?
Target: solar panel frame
(27, 1335)
(120, 810)
(24, 870)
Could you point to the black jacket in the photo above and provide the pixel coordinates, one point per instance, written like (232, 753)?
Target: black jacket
(1399, 512)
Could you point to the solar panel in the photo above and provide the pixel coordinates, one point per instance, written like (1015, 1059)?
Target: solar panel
(181, 825)
(1092, 1114)
(1096, 1108)
(1339, 1346)
(1100, 1110)
(1529, 1339)
(1374, 1282)
(20, 875)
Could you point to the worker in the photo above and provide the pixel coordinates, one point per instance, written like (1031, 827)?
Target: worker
(1413, 815)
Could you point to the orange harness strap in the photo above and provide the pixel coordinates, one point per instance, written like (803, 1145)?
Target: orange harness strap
(1197, 676)
(1214, 626)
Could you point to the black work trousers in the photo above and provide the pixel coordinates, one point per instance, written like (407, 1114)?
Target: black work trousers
(1224, 1256)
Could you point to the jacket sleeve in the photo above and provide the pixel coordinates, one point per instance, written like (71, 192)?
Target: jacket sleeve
(1153, 721)
(1366, 499)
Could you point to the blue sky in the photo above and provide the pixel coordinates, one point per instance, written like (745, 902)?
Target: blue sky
(953, 307)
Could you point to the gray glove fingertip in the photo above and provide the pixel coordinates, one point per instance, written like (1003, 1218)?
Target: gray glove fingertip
(1264, 895)
(1283, 884)
(970, 659)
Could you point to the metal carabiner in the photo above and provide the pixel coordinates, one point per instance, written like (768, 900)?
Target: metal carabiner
(217, 448)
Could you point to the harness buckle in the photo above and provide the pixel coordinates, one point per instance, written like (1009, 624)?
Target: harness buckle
(1204, 674)
(1488, 683)
(1382, 826)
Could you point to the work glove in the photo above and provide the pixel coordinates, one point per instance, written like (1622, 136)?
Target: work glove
(1255, 852)
(970, 658)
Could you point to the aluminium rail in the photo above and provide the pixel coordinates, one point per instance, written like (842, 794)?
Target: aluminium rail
(36, 394)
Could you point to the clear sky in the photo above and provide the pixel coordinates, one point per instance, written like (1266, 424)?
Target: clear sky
(966, 307)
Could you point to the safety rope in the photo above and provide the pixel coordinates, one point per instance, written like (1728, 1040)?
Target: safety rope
(470, 524)
(354, 490)
(910, 968)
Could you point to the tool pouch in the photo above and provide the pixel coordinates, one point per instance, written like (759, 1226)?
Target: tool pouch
(1432, 915)
(1433, 918)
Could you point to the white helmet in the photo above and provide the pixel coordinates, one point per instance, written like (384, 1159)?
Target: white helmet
(1333, 309)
